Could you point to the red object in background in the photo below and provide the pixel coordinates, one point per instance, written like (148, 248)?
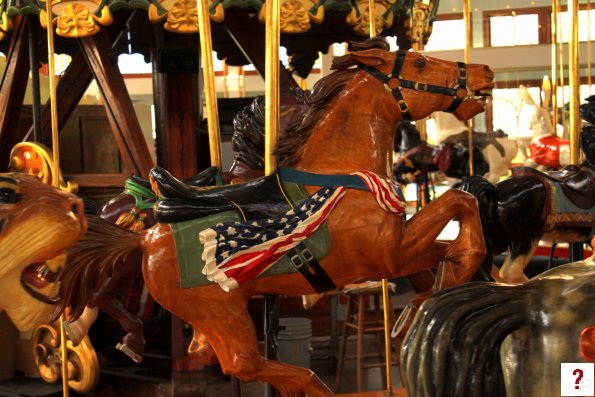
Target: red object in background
(546, 151)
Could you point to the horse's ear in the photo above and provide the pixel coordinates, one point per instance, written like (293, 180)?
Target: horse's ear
(371, 57)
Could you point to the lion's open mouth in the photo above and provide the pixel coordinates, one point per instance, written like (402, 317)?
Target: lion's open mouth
(37, 276)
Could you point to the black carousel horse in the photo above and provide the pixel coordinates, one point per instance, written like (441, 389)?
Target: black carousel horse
(417, 156)
(531, 206)
(499, 340)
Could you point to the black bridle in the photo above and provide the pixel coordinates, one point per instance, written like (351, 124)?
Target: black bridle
(421, 87)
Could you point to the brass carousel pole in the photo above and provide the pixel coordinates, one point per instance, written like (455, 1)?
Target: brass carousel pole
(385, 291)
(561, 68)
(467, 18)
(273, 38)
(56, 177)
(206, 56)
(573, 82)
(589, 45)
(554, 31)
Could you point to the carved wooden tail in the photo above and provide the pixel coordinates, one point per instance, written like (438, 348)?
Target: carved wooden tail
(91, 261)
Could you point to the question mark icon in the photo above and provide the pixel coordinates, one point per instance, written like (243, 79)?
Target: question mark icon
(578, 378)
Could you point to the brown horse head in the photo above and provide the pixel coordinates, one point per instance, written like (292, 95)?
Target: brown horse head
(469, 84)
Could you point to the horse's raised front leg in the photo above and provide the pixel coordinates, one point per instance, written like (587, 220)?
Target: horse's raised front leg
(234, 340)
(461, 258)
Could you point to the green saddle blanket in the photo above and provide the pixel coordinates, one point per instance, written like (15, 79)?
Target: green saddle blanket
(189, 249)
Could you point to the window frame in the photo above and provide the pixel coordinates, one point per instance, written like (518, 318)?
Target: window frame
(543, 21)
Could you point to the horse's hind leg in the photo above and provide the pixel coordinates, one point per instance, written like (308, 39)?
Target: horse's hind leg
(234, 340)
(107, 300)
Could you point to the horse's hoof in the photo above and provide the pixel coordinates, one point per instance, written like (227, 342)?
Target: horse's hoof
(133, 346)
(403, 322)
(137, 358)
(73, 333)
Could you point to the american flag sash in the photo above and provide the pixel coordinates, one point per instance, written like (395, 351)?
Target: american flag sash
(237, 252)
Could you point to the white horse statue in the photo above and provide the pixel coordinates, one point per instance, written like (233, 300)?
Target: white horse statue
(534, 123)
(498, 158)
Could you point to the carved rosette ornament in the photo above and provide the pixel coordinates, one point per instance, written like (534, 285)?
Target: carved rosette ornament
(297, 16)
(83, 366)
(78, 18)
(36, 160)
(419, 27)
(181, 16)
(359, 16)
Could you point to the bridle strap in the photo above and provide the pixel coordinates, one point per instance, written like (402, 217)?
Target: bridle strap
(418, 86)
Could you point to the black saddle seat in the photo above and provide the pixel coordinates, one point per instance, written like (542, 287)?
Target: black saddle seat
(577, 183)
(257, 199)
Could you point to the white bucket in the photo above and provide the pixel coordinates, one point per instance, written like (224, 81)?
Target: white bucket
(294, 341)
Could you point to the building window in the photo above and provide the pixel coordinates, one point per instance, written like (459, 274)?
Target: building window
(514, 30)
(447, 35)
(586, 31)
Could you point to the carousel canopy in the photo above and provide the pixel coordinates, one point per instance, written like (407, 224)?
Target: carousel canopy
(307, 26)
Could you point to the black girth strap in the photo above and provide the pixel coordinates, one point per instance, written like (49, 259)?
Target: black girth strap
(305, 262)
(419, 86)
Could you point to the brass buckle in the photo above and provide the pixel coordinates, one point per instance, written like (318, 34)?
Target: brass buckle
(307, 254)
(402, 105)
(296, 261)
(462, 74)
(421, 86)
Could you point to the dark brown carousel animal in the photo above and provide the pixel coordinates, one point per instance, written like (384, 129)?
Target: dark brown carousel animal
(332, 142)
(499, 340)
(37, 224)
(417, 157)
(531, 206)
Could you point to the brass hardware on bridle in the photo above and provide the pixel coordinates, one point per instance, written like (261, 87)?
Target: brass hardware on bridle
(394, 82)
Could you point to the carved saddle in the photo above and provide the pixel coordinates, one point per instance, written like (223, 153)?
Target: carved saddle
(257, 199)
(577, 183)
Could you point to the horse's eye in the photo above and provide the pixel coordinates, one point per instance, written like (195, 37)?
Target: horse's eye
(9, 190)
(420, 63)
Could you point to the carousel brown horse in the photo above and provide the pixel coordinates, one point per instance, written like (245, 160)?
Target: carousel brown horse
(348, 127)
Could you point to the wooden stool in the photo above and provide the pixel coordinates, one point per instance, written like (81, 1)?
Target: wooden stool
(358, 296)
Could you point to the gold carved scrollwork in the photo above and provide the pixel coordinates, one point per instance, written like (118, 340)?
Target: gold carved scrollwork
(418, 25)
(360, 21)
(77, 18)
(181, 16)
(83, 366)
(36, 160)
(5, 25)
(297, 16)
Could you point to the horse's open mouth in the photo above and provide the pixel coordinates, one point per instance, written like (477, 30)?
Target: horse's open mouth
(37, 276)
(482, 95)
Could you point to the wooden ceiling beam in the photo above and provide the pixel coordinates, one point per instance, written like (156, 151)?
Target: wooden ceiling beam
(12, 90)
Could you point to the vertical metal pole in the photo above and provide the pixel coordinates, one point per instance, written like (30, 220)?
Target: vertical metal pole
(56, 176)
(385, 292)
(561, 103)
(206, 56)
(35, 89)
(273, 38)
(271, 137)
(467, 18)
(589, 45)
(574, 81)
(554, 32)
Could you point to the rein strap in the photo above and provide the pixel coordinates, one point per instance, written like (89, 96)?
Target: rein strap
(418, 86)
